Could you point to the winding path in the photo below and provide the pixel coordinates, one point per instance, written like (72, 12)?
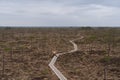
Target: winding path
(54, 59)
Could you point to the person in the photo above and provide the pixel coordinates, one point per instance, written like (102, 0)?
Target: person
(54, 53)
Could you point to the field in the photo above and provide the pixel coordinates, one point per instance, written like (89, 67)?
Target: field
(26, 52)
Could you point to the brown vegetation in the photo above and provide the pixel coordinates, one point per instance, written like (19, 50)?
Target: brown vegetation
(26, 52)
(98, 57)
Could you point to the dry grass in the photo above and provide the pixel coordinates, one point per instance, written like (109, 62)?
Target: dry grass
(91, 62)
(32, 50)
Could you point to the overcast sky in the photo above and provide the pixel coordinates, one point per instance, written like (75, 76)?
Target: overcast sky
(59, 12)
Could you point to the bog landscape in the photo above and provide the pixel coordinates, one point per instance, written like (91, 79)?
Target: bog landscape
(25, 53)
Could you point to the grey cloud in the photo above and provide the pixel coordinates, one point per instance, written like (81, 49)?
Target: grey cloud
(59, 12)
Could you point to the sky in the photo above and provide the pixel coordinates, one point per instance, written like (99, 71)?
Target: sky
(59, 13)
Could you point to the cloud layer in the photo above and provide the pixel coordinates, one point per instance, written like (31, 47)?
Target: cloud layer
(59, 12)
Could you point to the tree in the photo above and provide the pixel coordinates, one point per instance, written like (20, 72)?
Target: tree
(3, 65)
(109, 39)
